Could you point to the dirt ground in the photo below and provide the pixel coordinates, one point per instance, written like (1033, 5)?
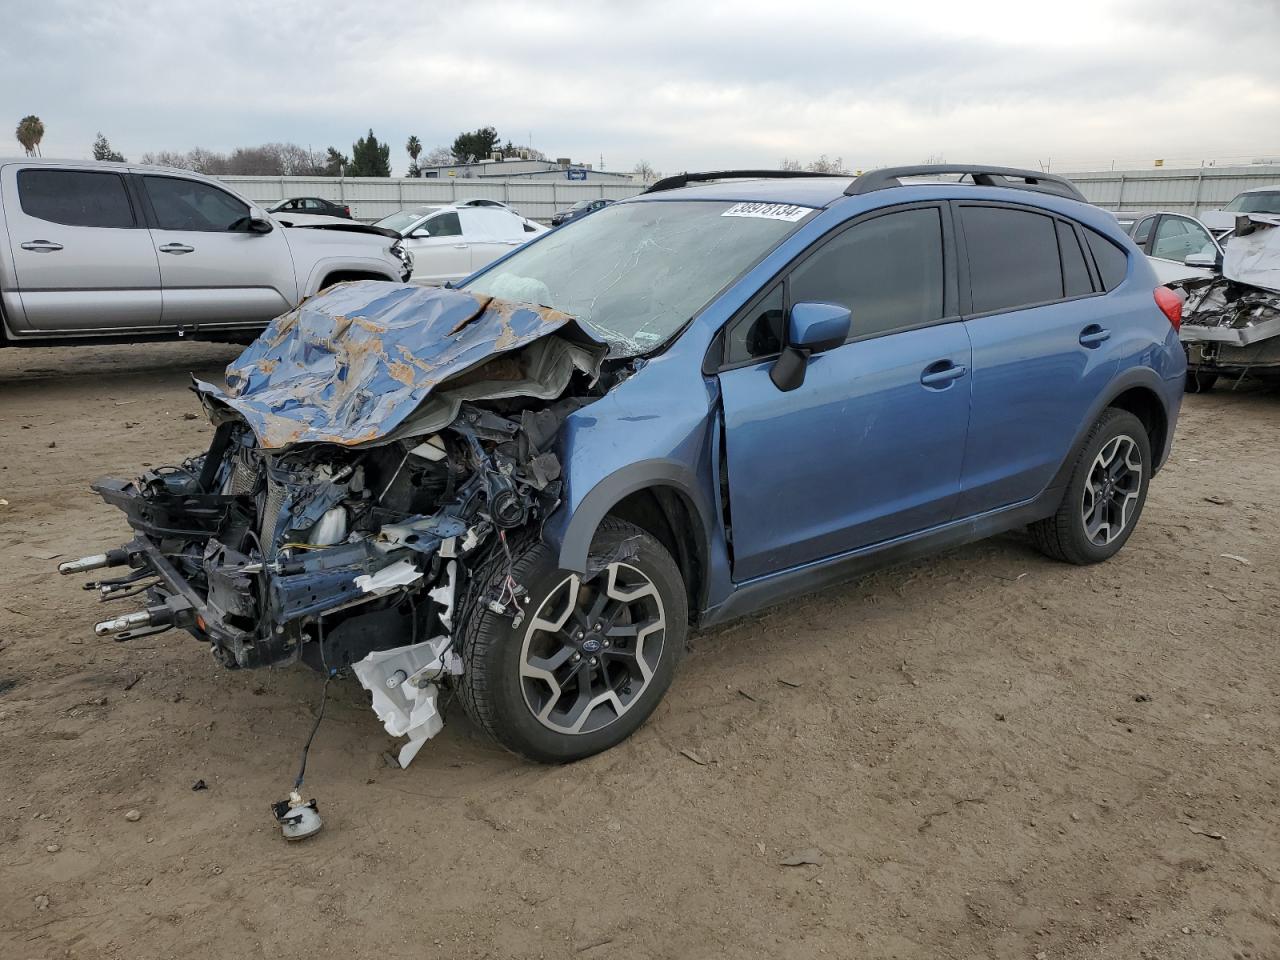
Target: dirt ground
(988, 754)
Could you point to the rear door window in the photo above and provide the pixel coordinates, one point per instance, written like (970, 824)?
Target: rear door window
(1142, 233)
(887, 271)
(76, 198)
(1013, 258)
(181, 204)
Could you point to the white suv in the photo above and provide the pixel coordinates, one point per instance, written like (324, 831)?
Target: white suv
(92, 249)
(452, 242)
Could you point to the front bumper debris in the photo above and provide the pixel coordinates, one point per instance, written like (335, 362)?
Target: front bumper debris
(373, 452)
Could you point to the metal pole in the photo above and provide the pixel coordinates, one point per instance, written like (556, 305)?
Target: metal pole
(1120, 199)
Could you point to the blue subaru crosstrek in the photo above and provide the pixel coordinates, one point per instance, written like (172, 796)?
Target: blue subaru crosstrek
(731, 390)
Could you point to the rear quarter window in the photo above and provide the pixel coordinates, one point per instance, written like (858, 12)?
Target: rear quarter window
(1112, 262)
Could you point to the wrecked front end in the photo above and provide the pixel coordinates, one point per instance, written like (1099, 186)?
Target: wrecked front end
(374, 450)
(1231, 325)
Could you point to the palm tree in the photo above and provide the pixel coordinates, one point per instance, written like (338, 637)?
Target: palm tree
(413, 147)
(29, 133)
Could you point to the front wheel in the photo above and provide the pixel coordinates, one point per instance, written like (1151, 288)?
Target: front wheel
(591, 656)
(1104, 496)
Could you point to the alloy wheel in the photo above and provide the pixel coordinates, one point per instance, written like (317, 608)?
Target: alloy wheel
(591, 649)
(1111, 490)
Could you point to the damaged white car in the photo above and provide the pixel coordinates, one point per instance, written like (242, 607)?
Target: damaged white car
(1231, 325)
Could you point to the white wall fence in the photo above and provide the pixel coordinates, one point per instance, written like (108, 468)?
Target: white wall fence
(1179, 191)
(372, 198)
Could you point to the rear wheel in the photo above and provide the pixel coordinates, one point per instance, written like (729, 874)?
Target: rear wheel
(591, 657)
(1104, 496)
(1200, 382)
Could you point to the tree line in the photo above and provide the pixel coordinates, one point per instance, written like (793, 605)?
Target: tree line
(369, 157)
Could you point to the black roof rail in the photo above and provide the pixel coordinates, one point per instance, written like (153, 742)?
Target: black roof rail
(983, 176)
(683, 179)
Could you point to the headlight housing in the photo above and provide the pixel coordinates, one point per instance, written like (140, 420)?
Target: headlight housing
(405, 258)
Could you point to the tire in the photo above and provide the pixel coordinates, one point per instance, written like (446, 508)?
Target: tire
(1200, 382)
(512, 672)
(1117, 441)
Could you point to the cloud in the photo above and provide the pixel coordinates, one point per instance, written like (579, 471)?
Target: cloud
(682, 85)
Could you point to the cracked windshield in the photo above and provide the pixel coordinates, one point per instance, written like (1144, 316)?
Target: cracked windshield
(638, 272)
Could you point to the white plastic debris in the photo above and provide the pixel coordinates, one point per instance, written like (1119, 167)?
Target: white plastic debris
(402, 682)
(298, 818)
(471, 540)
(430, 449)
(443, 594)
(392, 577)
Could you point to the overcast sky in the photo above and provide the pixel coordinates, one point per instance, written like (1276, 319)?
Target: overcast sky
(684, 85)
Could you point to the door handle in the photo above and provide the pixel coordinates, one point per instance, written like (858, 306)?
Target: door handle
(1094, 336)
(459, 246)
(942, 373)
(176, 248)
(513, 243)
(41, 246)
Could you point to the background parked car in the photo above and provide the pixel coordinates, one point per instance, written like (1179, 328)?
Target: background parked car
(1179, 247)
(579, 210)
(128, 250)
(1257, 200)
(452, 242)
(317, 206)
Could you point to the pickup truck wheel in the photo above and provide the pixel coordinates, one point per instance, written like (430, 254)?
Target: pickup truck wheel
(589, 658)
(1105, 495)
(1198, 382)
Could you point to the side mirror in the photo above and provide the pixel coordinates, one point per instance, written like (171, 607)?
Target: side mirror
(419, 235)
(259, 224)
(811, 328)
(1208, 258)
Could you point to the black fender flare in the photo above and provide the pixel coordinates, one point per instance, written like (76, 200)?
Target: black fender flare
(573, 539)
(1133, 377)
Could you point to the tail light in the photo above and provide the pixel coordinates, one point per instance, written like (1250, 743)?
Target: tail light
(1170, 305)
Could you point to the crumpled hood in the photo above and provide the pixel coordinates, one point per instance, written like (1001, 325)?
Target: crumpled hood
(1254, 258)
(370, 361)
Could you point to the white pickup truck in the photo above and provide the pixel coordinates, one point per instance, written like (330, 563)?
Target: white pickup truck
(125, 251)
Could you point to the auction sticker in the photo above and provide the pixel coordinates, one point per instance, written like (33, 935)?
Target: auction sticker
(768, 211)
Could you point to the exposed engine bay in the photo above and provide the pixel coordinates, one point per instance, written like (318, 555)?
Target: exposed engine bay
(1231, 324)
(375, 449)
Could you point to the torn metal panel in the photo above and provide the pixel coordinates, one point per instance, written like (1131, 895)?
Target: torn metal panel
(353, 365)
(1253, 255)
